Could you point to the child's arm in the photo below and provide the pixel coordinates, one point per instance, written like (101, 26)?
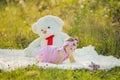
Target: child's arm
(72, 59)
(59, 57)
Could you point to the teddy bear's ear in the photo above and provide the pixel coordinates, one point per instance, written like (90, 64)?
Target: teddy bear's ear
(34, 28)
(59, 21)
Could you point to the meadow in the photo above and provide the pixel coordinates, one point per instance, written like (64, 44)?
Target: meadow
(94, 22)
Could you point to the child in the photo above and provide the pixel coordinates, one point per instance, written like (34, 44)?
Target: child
(57, 55)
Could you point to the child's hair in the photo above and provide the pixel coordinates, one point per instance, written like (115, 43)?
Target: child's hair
(71, 41)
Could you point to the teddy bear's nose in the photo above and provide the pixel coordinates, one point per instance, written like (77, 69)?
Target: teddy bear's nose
(44, 31)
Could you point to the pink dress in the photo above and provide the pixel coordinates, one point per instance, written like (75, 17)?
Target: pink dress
(49, 54)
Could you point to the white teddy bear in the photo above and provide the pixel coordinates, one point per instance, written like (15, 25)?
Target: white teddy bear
(49, 28)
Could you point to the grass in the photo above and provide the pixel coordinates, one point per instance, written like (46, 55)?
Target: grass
(35, 73)
(90, 20)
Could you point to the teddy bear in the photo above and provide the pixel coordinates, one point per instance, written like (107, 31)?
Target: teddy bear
(49, 29)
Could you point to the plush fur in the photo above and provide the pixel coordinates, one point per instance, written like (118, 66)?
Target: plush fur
(51, 25)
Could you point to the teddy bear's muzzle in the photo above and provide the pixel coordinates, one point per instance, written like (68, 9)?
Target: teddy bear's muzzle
(44, 32)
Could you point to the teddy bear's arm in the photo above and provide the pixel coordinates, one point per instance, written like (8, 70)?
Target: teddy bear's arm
(64, 36)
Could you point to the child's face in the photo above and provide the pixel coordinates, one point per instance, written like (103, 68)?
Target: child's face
(70, 49)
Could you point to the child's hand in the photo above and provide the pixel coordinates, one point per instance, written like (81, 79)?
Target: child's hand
(72, 59)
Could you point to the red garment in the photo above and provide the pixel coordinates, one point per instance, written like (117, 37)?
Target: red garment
(50, 40)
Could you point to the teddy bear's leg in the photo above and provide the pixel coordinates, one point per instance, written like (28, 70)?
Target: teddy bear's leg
(30, 52)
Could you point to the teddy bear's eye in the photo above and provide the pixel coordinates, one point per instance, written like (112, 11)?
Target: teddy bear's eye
(41, 29)
(48, 27)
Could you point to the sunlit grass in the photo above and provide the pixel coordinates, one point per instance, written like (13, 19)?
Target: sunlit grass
(36, 73)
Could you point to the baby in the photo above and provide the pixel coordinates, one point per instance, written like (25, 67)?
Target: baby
(56, 55)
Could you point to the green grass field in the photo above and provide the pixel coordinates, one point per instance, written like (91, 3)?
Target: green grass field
(35, 73)
(94, 22)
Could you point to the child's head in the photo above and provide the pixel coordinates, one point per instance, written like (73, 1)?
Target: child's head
(70, 45)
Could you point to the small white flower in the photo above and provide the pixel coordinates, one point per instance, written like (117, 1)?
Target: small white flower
(104, 9)
(106, 15)
(91, 11)
(82, 6)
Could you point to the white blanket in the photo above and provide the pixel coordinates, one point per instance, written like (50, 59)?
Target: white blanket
(13, 59)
